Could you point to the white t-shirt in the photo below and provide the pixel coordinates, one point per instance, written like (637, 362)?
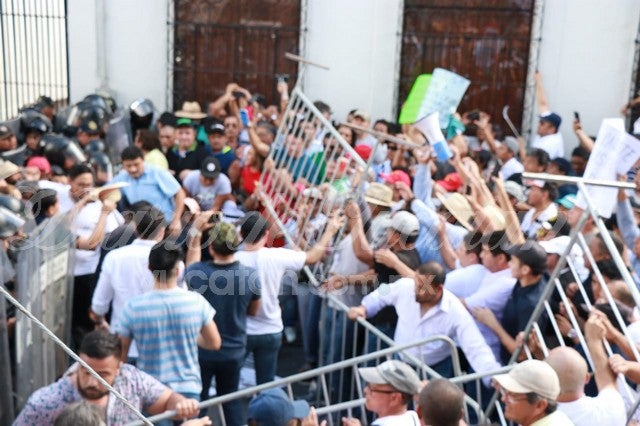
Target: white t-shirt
(85, 221)
(553, 144)
(510, 168)
(206, 195)
(271, 264)
(606, 409)
(345, 262)
(530, 227)
(408, 418)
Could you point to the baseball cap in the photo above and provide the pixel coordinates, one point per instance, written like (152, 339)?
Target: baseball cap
(563, 165)
(362, 114)
(531, 376)
(379, 194)
(41, 163)
(396, 176)
(531, 253)
(512, 144)
(7, 168)
(312, 193)
(273, 407)
(568, 201)
(364, 151)
(5, 132)
(551, 117)
(451, 182)
(167, 119)
(185, 122)
(405, 223)
(515, 190)
(395, 373)
(214, 127)
(210, 168)
(224, 237)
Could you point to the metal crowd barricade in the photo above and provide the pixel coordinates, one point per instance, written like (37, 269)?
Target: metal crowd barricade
(543, 312)
(353, 407)
(43, 284)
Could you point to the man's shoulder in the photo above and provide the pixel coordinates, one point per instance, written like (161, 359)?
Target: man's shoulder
(45, 403)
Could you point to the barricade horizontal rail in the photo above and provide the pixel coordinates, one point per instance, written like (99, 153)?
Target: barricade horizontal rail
(300, 377)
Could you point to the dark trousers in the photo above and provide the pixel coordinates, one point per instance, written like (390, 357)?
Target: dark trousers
(227, 373)
(265, 349)
(83, 287)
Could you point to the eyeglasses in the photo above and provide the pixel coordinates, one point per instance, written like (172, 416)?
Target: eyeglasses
(372, 390)
(510, 396)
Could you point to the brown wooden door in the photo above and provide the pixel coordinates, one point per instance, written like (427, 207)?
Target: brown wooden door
(486, 41)
(218, 41)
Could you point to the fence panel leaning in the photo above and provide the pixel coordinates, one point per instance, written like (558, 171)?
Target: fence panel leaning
(44, 287)
(581, 283)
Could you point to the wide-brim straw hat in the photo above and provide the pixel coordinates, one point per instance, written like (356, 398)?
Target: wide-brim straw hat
(190, 110)
(459, 207)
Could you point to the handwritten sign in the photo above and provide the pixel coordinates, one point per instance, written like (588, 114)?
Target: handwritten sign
(614, 152)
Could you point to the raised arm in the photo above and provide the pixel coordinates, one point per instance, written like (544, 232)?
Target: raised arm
(541, 95)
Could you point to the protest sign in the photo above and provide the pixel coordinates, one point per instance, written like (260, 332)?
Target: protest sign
(614, 152)
(441, 91)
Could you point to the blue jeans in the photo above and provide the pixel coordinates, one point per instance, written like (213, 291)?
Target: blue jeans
(227, 373)
(265, 348)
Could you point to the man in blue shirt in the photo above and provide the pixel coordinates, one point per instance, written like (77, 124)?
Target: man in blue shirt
(152, 184)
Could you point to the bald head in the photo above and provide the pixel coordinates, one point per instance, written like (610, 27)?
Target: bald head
(571, 369)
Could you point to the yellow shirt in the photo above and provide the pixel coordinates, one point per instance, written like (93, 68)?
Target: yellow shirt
(157, 158)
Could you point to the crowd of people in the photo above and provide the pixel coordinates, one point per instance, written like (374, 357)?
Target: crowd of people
(182, 256)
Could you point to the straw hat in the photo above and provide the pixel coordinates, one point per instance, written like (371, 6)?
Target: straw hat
(459, 207)
(496, 216)
(191, 110)
(379, 194)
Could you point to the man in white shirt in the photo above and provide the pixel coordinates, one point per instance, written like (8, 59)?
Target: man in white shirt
(548, 137)
(469, 273)
(496, 286)
(91, 222)
(425, 308)
(264, 330)
(390, 388)
(125, 271)
(605, 409)
(507, 152)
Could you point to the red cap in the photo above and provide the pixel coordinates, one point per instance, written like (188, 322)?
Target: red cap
(364, 151)
(451, 182)
(396, 176)
(41, 163)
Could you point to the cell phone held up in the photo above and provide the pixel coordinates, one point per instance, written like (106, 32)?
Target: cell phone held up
(576, 116)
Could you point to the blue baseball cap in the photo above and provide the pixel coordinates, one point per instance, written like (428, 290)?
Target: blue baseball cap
(273, 407)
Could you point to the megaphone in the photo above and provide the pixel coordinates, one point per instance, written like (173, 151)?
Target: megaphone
(430, 128)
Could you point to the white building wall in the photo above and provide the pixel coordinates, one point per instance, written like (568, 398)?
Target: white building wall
(586, 54)
(586, 59)
(135, 49)
(358, 41)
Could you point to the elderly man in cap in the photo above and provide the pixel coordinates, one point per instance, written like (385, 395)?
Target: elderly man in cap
(507, 153)
(390, 388)
(188, 154)
(530, 392)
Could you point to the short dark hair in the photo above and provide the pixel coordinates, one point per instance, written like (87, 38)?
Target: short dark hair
(42, 200)
(79, 169)
(382, 121)
(148, 221)
(617, 242)
(148, 140)
(131, 153)
(473, 242)
(253, 226)
(163, 257)
(541, 156)
(270, 127)
(322, 106)
(579, 151)
(497, 242)
(101, 344)
(441, 403)
(433, 269)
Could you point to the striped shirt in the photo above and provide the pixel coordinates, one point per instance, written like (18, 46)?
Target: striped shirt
(166, 325)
